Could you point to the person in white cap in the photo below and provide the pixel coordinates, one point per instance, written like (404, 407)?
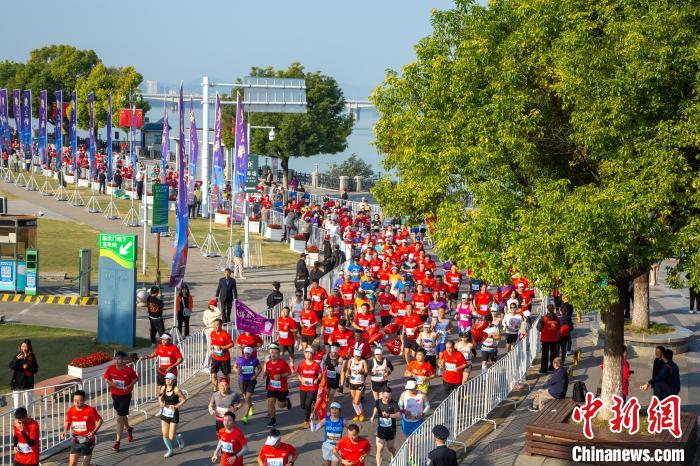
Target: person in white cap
(248, 368)
(355, 371)
(333, 425)
(414, 406)
(275, 452)
(379, 369)
(169, 357)
(171, 400)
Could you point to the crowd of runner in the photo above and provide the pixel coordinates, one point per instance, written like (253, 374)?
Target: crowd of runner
(395, 308)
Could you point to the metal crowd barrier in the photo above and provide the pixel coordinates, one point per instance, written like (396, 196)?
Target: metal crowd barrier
(473, 401)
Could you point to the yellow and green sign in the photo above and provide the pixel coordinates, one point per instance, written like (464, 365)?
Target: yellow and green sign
(120, 248)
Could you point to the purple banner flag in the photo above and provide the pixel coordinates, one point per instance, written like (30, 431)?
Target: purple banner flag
(217, 168)
(247, 320)
(109, 137)
(177, 274)
(133, 140)
(165, 142)
(192, 159)
(41, 136)
(27, 123)
(241, 164)
(91, 156)
(4, 133)
(73, 128)
(17, 112)
(58, 129)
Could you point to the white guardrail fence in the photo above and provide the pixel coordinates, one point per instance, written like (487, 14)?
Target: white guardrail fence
(49, 409)
(473, 401)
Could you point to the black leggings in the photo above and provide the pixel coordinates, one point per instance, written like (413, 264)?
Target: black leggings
(183, 321)
(308, 400)
(157, 328)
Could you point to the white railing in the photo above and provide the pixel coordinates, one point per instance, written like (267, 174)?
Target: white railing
(473, 401)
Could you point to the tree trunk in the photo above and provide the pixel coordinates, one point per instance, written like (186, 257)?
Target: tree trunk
(640, 309)
(614, 319)
(285, 172)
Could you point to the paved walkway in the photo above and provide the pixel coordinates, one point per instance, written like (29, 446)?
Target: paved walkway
(504, 446)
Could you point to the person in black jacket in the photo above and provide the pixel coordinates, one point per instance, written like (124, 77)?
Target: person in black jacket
(226, 292)
(23, 366)
(338, 256)
(327, 254)
(301, 279)
(276, 297)
(555, 387)
(316, 272)
(442, 455)
(658, 361)
(155, 306)
(668, 381)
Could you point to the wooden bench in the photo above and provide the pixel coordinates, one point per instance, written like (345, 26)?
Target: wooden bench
(550, 434)
(54, 384)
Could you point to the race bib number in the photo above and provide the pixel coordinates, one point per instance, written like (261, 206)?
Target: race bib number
(356, 379)
(420, 305)
(384, 422)
(283, 335)
(307, 381)
(79, 426)
(118, 383)
(218, 351)
(275, 462)
(328, 330)
(316, 298)
(221, 410)
(276, 384)
(386, 307)
(484, 307)
(347, 296)
(401, 313)
(167, 412)
(164, 361)
(450, 366)
(227, 447)
(247, 370)
(410, 331)
(331, 374)
(343, 342)
(24, 448)
(364, 322)
(332, 437)
(306, 323)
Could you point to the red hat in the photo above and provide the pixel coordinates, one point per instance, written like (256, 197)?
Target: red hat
(214, 302)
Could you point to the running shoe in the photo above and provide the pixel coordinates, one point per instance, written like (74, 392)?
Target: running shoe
(115, 447)
(168, 454)
(272, 423)
(306, 424)
(289, 404)
(244, 419)
(250, 411)
(361, 417)
(130, 433)
(180, 441)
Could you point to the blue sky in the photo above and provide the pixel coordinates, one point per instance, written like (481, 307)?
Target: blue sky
(168, 41)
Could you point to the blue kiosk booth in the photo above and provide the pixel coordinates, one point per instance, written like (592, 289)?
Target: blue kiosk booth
(17, 252)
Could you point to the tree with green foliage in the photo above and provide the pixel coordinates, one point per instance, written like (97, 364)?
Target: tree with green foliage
(352, 166)
(323, 129)
(574, 125)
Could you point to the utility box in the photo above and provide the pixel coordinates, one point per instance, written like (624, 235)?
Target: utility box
(85, 269)
(32, 258)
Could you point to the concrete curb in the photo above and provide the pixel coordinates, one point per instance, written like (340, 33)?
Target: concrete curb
(48, 299)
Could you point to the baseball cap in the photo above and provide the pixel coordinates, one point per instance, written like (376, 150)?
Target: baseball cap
(336, 405)
(410, 384)
(378, 351)
(272, 440)
(426, 324)
(214, 302)
(165, 336)
(465, 296)
(274, 346)
(170, 376)
(308, 349)
(248, 350)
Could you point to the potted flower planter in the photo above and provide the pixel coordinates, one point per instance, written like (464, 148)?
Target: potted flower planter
(254, 225)
(88, 367)
(83, 183)
(47, 172)
(70, 179)
(221, 218)
(273, 232)
(96, 185)
(297, 244)
(311, 255)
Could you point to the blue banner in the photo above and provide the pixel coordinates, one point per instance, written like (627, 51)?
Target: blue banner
(165, 142)
(58, 131)
(27, 124)
(109, 138)
(91, 155)
(41, 135)
(177, 274)
(5, 142)
(17, 112)
(217, 168)
(192, 159)
(74, 133)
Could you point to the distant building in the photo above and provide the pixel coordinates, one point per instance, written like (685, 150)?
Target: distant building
(151, 87)
(152, 138)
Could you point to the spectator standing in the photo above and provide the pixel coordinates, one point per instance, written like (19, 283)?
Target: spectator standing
(102, 178)
(549, 336)
(555, 387)
(442, 455)
(184, 310)
(301, 279)
(155, 314)
(226, 291)
(238, 260)
(275, 297)
(23, 366)
(667, 381)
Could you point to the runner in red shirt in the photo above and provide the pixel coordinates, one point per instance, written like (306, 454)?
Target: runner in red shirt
(309, 321)
(453, 364)
(335, 300)
(353, 449)
(309, 374)
(363, 318)
(420, 300)
(83, 422)
(169, 357)
(347, 291)
(411, 328)
(121, 379)
(219, 344)
(318, 296)
(25, 434)
(385, 301)
(232, 445)
(441, 287)
(276, 371)
(249, 339)
(286, 334)
(345, 338)
(329, 324)
(275, 452)
(482, 300)
(453, 279)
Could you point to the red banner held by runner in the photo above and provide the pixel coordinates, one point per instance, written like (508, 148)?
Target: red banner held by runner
(321, 397)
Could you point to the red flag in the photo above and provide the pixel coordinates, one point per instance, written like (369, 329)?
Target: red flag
(321, 397)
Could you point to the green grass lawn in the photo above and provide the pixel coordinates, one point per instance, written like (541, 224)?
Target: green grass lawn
(54, 348)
